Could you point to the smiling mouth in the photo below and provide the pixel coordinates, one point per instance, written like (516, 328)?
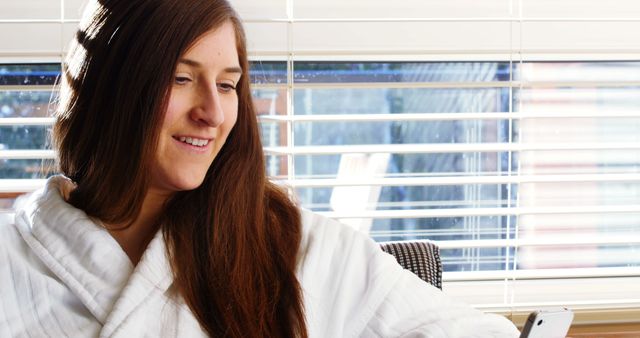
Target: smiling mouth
(193, 141)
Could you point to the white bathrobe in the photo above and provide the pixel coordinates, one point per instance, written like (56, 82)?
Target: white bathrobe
(61, 275)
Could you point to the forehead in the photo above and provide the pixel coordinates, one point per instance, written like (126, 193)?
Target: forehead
(216, 46)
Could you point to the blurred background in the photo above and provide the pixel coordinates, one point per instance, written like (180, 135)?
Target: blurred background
(507, 131)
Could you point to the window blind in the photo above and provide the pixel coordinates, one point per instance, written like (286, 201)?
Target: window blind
(506, 131)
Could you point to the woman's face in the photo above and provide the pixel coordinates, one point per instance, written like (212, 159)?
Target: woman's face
(202, 109)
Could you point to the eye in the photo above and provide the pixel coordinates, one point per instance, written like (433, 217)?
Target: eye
(226, 87)
(181, 80)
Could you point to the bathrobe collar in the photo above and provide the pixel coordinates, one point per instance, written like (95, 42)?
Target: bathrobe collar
(85, 257)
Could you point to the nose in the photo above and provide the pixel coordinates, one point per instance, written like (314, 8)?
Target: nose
(208, 109)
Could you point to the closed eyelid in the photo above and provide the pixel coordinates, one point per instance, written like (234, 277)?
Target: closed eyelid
(226, 87)
(183, 73)
(182, 79)
(227, 79)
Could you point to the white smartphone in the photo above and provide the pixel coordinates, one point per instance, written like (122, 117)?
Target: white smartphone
(553, 323)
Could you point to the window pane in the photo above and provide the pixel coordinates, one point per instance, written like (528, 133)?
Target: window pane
(29, 74)
(578, 71)
(277, 166)
(19, 137)
(268, 72)
(400, 132)
(271, 102)
(476, 259)
(457, 228)
(394, 72)
(404, 100)
(33, 168)
(580, 256)
(604, 123)
(404, 165)
(359, 198)
(25, 103)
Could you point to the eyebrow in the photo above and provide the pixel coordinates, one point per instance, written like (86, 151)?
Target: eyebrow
(197, 64)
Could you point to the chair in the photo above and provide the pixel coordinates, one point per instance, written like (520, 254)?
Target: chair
(420, 257)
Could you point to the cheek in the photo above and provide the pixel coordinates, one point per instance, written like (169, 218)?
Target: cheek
(230, 116)
(173, 110)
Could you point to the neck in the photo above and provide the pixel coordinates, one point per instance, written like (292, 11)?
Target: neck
(135, 237)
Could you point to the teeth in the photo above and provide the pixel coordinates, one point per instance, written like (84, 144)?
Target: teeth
(194, 141)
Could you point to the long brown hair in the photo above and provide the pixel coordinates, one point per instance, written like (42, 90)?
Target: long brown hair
(233, 241)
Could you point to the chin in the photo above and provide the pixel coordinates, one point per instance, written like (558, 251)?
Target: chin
(177, 183)
(190, 184)
(172, 179)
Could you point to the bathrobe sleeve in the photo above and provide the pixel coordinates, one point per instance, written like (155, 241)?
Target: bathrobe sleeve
(353, 289)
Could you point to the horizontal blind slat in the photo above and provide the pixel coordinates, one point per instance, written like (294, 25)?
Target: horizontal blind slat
(541, 274)
(455, 85)
(26, 121)
(32, 121)
(386, 148)
(26, 154)
(458, 180)
(27, 88)
(541, 241)
(26, 185)
(464, 212)
(423, 148)
(444, 116)
(20, 185)
(30, 185)
(402, 85)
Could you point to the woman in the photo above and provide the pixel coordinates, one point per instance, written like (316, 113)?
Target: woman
(164, 223)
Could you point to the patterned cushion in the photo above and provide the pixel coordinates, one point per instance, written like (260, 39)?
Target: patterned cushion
(420, 257)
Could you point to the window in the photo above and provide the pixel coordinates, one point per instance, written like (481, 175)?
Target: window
(507, 131)
(518, 170)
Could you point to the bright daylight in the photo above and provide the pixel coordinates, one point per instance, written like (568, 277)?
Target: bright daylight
(308, 168)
